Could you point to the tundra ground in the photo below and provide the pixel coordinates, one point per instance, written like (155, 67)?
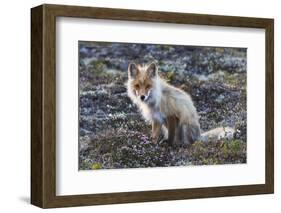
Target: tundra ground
(112, 133)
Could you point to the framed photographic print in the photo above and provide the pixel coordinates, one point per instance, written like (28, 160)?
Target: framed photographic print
(136, 106)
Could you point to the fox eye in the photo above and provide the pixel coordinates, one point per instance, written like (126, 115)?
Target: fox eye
(148, 87)
(137, 86)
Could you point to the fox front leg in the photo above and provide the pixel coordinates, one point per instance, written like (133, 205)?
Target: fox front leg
(156, 130)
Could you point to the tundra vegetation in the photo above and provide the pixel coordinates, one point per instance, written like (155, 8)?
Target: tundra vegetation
(112, 132)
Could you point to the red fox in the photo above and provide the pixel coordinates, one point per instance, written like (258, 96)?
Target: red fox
(170, 110)
(167, 108)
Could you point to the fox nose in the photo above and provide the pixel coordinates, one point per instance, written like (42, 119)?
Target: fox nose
(142, 97)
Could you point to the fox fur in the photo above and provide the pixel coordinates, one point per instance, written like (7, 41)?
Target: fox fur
(169, 110)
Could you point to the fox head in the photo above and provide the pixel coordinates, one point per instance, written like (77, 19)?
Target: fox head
(142, 80)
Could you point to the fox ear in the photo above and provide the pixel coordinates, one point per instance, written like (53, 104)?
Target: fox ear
(132, 70)
(152, 70)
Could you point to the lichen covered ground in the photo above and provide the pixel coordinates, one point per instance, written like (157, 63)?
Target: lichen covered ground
(112, 133)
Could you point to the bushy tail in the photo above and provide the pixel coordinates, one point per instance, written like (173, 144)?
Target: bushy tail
(218, 134)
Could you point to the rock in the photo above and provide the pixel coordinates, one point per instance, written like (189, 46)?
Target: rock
(220, 98)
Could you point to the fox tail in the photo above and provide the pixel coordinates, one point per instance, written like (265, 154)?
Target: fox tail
(218, 134)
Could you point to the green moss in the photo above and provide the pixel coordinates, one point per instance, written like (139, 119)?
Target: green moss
(170, 76)
(97, 66)
(96, 166)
